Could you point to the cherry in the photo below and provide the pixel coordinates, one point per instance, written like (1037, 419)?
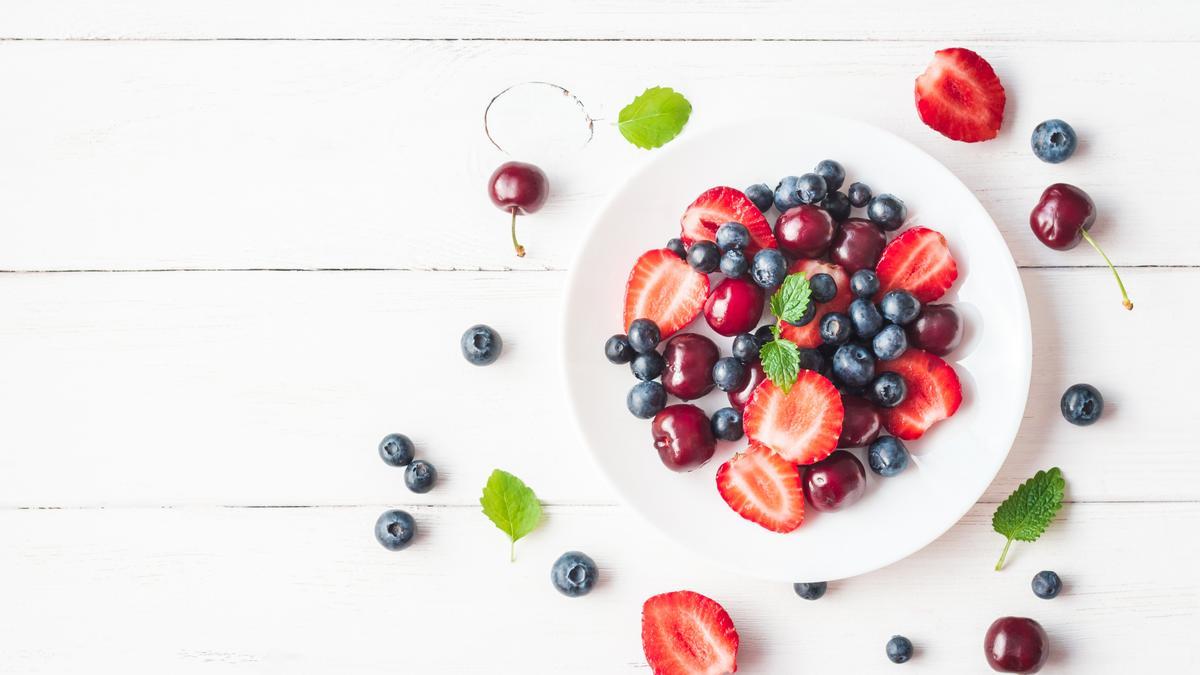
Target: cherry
(521, 188)
(835, 482)
(690, 358)
(1062, 217)
(1014, 644)
(938, 329)
(861, 423)
(734, 306)
(857, 245)
(683, 437)
(804, 231)
(738, 398)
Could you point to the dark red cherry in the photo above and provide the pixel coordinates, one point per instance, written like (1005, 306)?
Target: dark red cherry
(860, 424)
(683, 437)
(857, 245)
(1014, 644)
(738, 398)
(938, 329)
(690, 358)
(734, 306)
(518, 188)
(1062, 217)
(835, 482)
(804, 231)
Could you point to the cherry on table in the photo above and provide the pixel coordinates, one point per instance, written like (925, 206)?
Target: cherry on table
(519, 188)
(1062, 217)
(1015, 644)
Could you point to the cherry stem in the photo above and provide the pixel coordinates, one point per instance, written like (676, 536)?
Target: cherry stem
(521, 249)
(1125, 301)
(1003, 554)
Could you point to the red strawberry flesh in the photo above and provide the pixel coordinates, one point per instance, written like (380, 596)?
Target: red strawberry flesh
(685, 633)
(934, 394)
(801, 425)
(960, 97)
(919, 262)
(662, 287)
(764, 488)
(720, 205)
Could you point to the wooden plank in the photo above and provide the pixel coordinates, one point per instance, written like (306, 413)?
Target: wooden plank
(151, 155)
(273, 388)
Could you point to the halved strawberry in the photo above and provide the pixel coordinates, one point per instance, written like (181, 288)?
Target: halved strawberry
(802, 425)
(809, 335)
(764, 488)
(919, 262)
(934, 393)
(685, 633)
(720, 205)
(960, 97)
(664, 288)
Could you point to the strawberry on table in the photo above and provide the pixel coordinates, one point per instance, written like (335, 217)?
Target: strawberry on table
(919, 262)
(685, 633)
(960, 97)
(662, 287)
(764, 488)
(720, 205)
(809, 335)
(934, 394)
(802, 424)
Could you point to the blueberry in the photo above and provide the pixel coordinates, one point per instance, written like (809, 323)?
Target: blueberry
(887, 212)
(396, 449)
(617, 350)
(574, 574)
(420, 476)
(864, 283)
(887, 456)
(832, 172)
(728, 373)
(734, 263)
(395, 530)
(732, 235)
(727, 424)
(811, 359)
(837, 205)
(823, 287)
(645, 399)
(853, 365)
(786, 195)
(810, 591)
(676, 246)
(1046, 584)
(761, 195)
(810, 311)
(899, 307)
(1082, 404)
(859, 194)
(811, 188)
(481, 345)
(888, 389)
(899, 649)
(865, 317)
(889, 343)
(835, 328)
(704, 256)
(648, 366)
(763, 334)
(769, 268)
(745, 348)
(643, 335)
(1053, 141)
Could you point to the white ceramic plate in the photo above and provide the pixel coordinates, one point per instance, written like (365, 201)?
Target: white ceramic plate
(952, 464)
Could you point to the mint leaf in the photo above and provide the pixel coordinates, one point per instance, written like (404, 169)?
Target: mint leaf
(1027, 512)
(781, 362)
(789, 302)
(654, 118)
(511, 505)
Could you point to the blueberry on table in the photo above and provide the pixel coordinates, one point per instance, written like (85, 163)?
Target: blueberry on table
(574, 574)
(832, 172)
(745, 348)
(481, 345)
(865, 317)
(1046, 584)
(823, 287)
(729, 373)
(395, 530)
(676, 246)
(420, 476)
(769, 268)
(811, 188)
(647, 366)
(887, 212)
(835, 328)
(396, 449)
(727, 424)
(645, 399)
(732, 235)
(1082, 404)
(810, 590)
(1053, 141)
(889, 343)
(887, 456)
(734, 263)
(704, 257)
(888, 390)
(786, 194)
(643, 335)
(837, 205)
(853, 365)
(899, 649)
(864, 283)
(617, 350)
(761, 195)
(859, 194)
(899, 307)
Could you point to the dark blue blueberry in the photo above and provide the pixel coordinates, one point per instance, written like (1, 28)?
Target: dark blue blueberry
(1082, 404)
(889, 343)
(823, 287)
(734, 263)
(395, 530)
(835, 328)
(676, 246)
(827, 350)
(811, 590)
(864, 283)
(704, 256)
(853, 365)
(887, 456)
(396, 449)
(617, 349)
(899, 307)
(574, 574)
(643, 335)
(810, 311)
(648, 366)
(761, 195)
(899, 649)
(1046, 584)
(786, 196)
(1053, 141)
(837, 205)
(859, 194)
(745, 348)
(769, 268)
(888, 389)
(811, 188)
(645, 399)
(420, 476)
(727, 424)
(866, 318)
(763, 334)
(832, 172)
(729, 373)
(811, 359)
(887, 212)
(732, 235)
(481, 345)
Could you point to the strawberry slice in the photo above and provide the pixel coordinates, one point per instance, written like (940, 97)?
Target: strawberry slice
(934, 393)
(685, 633)
(720, 205)
(764, 488)
(802, 425)
(664, 288)
(960, 97)
(809, 335)
(919, 262)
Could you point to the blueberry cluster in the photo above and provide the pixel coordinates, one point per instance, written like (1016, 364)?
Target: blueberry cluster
(395, 529)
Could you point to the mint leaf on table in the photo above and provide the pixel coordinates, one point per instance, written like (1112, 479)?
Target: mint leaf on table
(791, 300)
(511, 505)
(654, 117)
(1027, 512)
(780, 361)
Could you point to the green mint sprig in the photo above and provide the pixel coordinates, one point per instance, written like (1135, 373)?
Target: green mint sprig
(790, 301)
(654, 118)
(1026, 513)
(511, 505)
(781, 358)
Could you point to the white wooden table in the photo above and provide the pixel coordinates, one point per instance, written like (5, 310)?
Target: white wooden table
(241, 239)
